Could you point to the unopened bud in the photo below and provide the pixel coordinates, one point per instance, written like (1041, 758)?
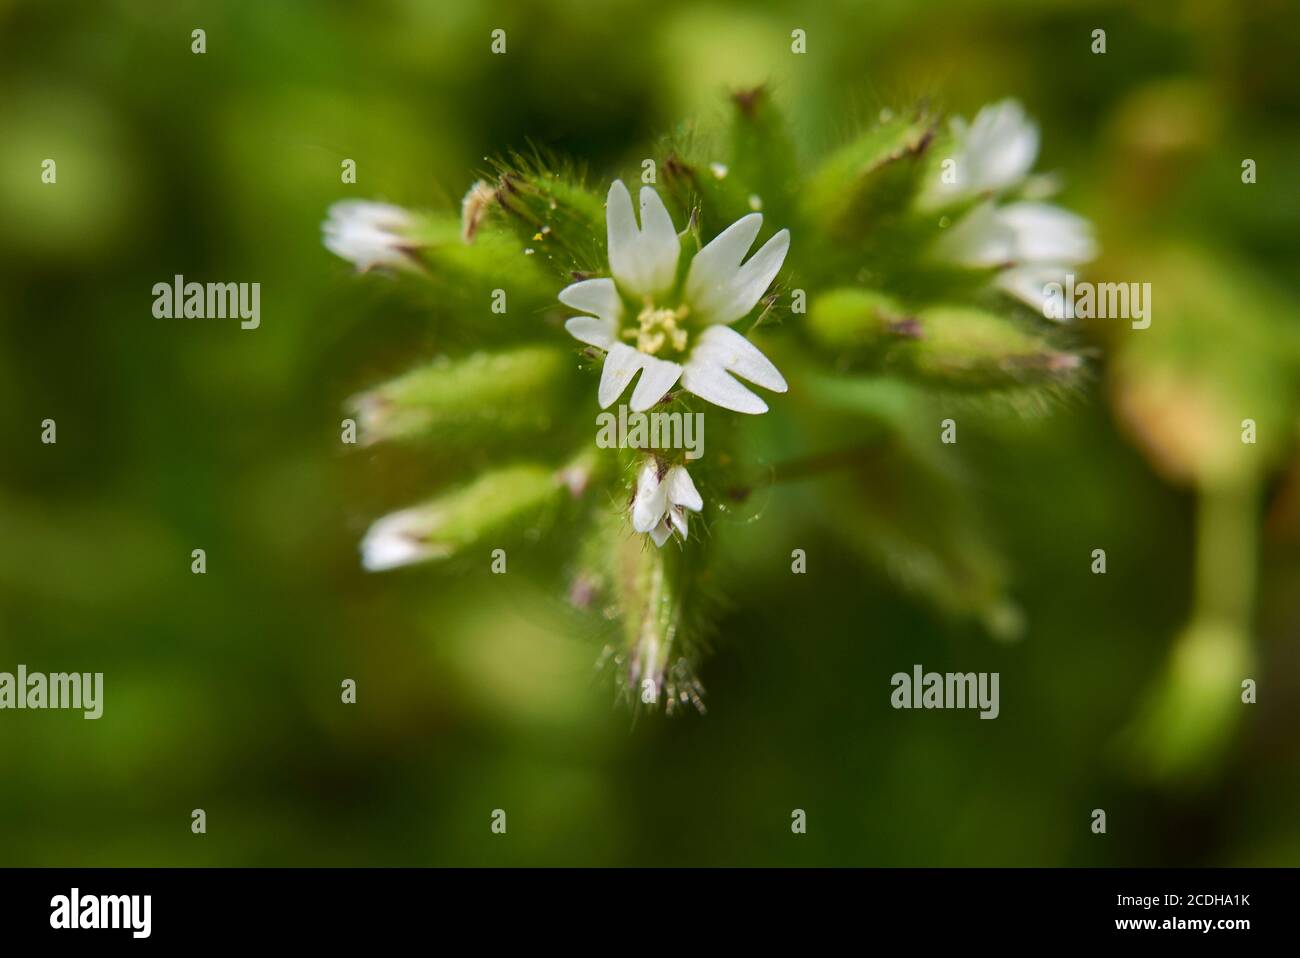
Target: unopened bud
(491, 505)
(459, 398)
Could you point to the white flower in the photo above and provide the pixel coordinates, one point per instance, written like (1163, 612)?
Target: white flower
(996, 151)
(368, 234)
(401, 538)
(1031, 243)
(1035, 243)
(682, 336)
(660, 500)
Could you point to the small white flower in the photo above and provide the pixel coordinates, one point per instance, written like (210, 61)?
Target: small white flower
(1031, 243)
(660, 500)
(691, 328)
(1035, 243)
(996, 151)
(401, 538)
(368, 234)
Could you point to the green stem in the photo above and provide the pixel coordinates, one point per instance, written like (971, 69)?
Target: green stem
(1226, 544)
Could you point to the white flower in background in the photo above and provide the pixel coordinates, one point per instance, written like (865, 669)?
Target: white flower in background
(1036, 244)
(660, 500)
(995, 152)
(1031, 243)
(368, 234)
(676, 335)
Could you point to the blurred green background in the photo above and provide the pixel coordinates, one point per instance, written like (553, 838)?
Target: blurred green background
(479, 692)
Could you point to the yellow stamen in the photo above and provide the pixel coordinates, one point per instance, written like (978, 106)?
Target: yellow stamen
(658, 327)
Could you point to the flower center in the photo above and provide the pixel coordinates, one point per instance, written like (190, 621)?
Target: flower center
(657, 328)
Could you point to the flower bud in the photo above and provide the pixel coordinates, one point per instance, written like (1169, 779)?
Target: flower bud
(495, 504)
(971, 349)
(370, 234)
(873, 176)
(649, 585)
(554, 216)
(461, 399)
(854, 322)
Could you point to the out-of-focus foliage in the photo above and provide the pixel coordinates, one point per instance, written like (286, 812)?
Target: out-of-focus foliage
(477, 692)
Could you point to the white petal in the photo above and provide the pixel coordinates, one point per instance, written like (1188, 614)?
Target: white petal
(592, 331)
(756, 276)
(1029, 285)
(367, 234)
(712, 383)
(719, 289)
(596, 296)
(721, 256)
(399, 539)
(1048, 234)
(681, 489)
(650, 499)
(723, 346)
(658, 376)
(365, 247)
(660, 533)
(621, 233)
(1000, 147)
(367, 213)
(993, 153)
(382, 554)
(711, 280)
(643, 260)
(660, 246)
(678, 520)
(979, 238)
(621, 364)
(1019, 233)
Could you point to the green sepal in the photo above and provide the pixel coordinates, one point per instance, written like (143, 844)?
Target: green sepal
(459, 400)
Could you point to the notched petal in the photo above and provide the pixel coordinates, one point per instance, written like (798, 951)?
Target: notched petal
(718, 287)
